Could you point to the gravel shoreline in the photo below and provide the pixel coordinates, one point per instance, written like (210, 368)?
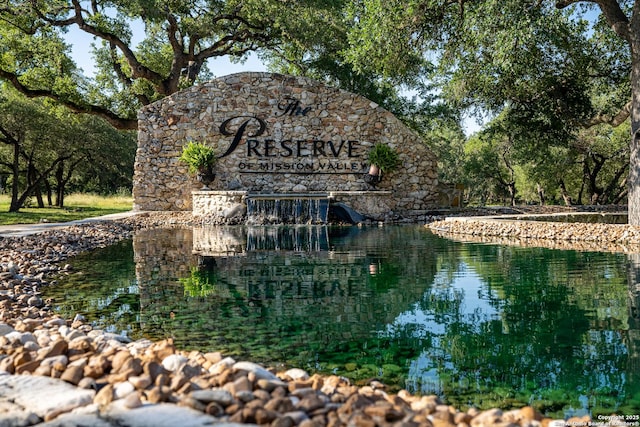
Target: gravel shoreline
(56, 372)
(554, 235)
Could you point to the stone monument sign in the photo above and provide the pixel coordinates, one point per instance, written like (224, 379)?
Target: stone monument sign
(279, 135)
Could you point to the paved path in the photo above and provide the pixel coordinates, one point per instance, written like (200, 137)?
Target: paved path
(17, 230)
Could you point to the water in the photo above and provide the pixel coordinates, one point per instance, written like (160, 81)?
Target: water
(283, 210)
(480, 325)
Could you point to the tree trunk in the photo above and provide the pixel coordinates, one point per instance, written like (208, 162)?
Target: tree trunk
(18, 201)
(590, 177)
(37, 190)
(62, 179)
(634, 159)
(47, 187)
(565, 194)
(615, 187)
(512, 193)
(59, 176)
(60, 197)
(580, 193)
(541, 198)
(15, 185)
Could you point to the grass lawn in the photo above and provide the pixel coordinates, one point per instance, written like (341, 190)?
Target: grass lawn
(77, 206)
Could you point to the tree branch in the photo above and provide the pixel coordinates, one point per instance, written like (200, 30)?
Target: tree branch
(616, 18)
(615, 120)
(137, 69)
(8, 138)
(225, 45)
(179, 60)
(227, 33)
(115, 120)
(144, 100)
(561, 4)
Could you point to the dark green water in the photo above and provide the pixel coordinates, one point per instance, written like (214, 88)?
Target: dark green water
(480, 325)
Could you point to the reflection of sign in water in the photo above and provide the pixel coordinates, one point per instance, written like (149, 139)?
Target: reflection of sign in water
(297, 239)
(232, 241)
(289, 155)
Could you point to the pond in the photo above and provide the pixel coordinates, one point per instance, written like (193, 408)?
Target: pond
(481, 325)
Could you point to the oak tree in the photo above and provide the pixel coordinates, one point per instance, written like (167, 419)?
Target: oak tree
(44, 146)
(556, 67)
(179, 38)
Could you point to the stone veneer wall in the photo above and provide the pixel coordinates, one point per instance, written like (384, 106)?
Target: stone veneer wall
(277, 134)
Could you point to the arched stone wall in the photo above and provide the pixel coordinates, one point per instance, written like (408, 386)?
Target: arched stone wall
(277, 134)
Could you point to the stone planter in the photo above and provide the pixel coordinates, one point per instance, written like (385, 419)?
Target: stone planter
(205, 176)
(374, 176)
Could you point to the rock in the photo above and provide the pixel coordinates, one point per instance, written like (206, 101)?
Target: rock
(123, 389)
(5, 329)
(487, 418)
(20, 337)
(35, 301)
(311, 403)
(27, 367)
(55, 322)
(46, 397)
(58, 348)
(88, 383)
(529, 413)
(219, 396)
(174, 362)
(158, 394)
(141, 382)
(14, 415)
(104, 395)
(119, 359)
(221, 366)
(234, 211)
(270, 384)
(255, 369)
(296, 374)
(160, 415)
(133, 380)
(153, 370)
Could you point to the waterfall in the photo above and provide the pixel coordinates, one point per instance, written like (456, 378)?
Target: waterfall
(287, 209)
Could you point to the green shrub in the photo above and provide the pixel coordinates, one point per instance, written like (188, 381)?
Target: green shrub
(384, 157)
(198, 156)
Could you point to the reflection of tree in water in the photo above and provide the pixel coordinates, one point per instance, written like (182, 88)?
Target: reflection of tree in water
(115, 306)
(547, 337)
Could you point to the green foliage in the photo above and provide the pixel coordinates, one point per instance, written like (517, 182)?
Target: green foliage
(489, 167)
(447, 141)
(179, 38)
(199, 283)
(48, 149)
(381, 40)
(544, 73)
(383, 156)
(197, 155)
